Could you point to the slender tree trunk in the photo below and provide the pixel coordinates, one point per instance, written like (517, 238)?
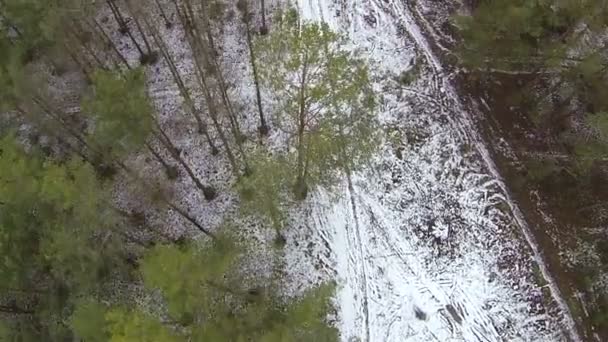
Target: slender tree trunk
(206, 23)
(150, 57)
(170, 170)
(212, 109)
(263, 129)
(142, 54)
(110, 43)
(83, 66)
(191, 220)
(210, 54)
(208, 192)
(201, 49)
(96, 153)
(234, 122)
(301, 188)
(120, 20)
(220, 131)
(196, 45)
(164, 199)
(60, 138)
(124, 28)
(135, 14)
(75, 150)
(132, 219)
(264, 28)
(27, 292)
(50, 113)
(202, 127)
(223, 88)
(247, 295)
(129, 238)
(86, 47)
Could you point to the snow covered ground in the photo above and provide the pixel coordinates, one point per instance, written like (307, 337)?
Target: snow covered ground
(426, 244)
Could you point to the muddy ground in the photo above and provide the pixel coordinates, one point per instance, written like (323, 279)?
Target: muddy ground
(559, 205)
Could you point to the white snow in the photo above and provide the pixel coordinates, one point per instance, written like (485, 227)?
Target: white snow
(427, 246)
(431, 248)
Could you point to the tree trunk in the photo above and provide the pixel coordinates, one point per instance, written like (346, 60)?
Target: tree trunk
(202, 127)
(46, 108)
(86, 46)
(263, 129)
(210, 54)
(110, 43)
(150, 57)
(301, 188)
(208, 192)
(83, 66)
(15, 310)
(197, 46)
(191, 220)
(220, 131)
(124, 28)
(170, 170)
(142, 33)
(122, 24)
(205, 49)
(142, 54)
(264, 28)
(60, 138)
(168, 202)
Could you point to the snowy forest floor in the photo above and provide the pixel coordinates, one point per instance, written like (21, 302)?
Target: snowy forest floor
(431, 247)
(425, 245)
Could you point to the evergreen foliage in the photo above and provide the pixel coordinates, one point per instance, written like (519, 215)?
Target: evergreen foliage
(559, 38)
(74, 265)
(262, 191)
(121, 112)
(88, 321)
(325, 96)
(50, 220)
(207, 296)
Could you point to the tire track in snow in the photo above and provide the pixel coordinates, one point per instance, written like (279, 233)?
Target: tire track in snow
(351, 193)
(393, 288)
(466, 123)
(439, 290)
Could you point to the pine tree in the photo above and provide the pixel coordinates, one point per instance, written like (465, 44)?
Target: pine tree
(121, 112)
(88, 321)
(25, 95)
(31, 21)
(537, 37)
(325, 97)
(207, 299)
(207, 296)
(51, 219)
(262, 191)
(124, 120)
(126, 325)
